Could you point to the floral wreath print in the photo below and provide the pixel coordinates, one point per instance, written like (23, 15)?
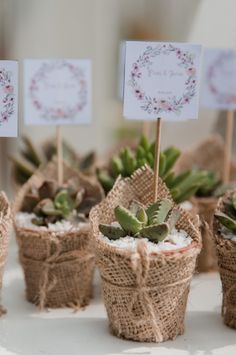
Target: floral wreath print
(220, 96)
(8, 101)
(157, 105)
(68, 112)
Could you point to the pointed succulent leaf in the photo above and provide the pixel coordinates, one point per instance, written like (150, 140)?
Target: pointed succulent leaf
(116, 166)
(106, 180)
(48, 189)
(127, 220)
(226, 221)
(23, 165)
(135, 206)
(155, 233)
(49, 209)
(64, 202)
(144, 143)
(140, 152)
(184, 195)
(31, 152)
(87, 161)
(162, 165)
(169, 180)
(112, 232)
(172, 154)
(180, 178)
(142, 216)
(158, 212)
(129, 162)
(173, 218)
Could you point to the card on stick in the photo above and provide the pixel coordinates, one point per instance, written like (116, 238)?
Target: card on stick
(8, 98)
(161, 80)
(57, 91)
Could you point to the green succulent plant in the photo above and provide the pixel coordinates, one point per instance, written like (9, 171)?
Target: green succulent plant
(153, 223)
(32, 156)
(128, 161)
(228, 217)
(182, 186)
(51, 203)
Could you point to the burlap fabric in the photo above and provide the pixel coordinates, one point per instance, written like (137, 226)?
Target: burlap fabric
(209, 154)
(226, 252)
(205, 207)
(5, 223)
(145, 295)
(58, 266)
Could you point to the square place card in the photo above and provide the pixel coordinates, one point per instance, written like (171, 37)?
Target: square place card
(8, 98)
(219, 79)
(57, 91)
(161, 80)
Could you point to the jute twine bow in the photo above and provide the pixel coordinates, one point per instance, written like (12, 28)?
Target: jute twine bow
(140, 263)
(66, 258)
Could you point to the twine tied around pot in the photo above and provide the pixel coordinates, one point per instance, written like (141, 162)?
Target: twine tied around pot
(140, 263)
(67, 259)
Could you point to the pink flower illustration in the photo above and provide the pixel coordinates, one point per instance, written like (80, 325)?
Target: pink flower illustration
(8, 89)
(191, 71)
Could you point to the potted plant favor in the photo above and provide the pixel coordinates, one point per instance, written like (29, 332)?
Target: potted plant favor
(5, 222)
(225, 241)
(182, 186)
(146, 252)
(207, 156)
(54, 237)
(31, 157)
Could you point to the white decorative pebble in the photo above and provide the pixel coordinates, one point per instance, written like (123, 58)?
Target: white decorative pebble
(186, 205)
(23, 220)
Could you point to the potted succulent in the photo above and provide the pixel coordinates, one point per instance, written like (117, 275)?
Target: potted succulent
(32, 157)
(182, 186)
(5, 223)
(54, 237)
(207, 156)
(146, 253)
(225, 240)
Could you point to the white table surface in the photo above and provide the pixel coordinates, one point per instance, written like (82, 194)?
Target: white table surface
(25, 331)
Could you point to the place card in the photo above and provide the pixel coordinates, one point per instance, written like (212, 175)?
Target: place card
(57, 91)
(161, 80)
(8, 98)
(219, 79)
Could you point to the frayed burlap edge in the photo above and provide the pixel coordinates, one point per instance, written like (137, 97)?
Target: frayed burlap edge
(226, 253)
(5, 223)
(145, 294)
(58, 266)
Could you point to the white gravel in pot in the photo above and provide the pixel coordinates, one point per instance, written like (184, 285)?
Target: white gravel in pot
(227, 234)
(177, 239)
(23, 220)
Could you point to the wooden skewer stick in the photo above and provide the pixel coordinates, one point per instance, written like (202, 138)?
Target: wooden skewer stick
(228, 145)
(59, 157)
(157, 157)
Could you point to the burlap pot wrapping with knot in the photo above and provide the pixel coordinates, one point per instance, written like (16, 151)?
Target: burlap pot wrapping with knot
(226, 253)
(209, 154)
(145, 294)
(58, 266)
(5, 223)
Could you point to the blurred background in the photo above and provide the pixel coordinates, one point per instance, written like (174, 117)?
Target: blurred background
(93, 29)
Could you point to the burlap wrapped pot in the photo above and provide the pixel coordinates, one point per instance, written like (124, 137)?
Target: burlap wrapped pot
(205, 207)
(58, 266)
(226, 253)
(5, 223)
(145, 294)
(209, 154)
